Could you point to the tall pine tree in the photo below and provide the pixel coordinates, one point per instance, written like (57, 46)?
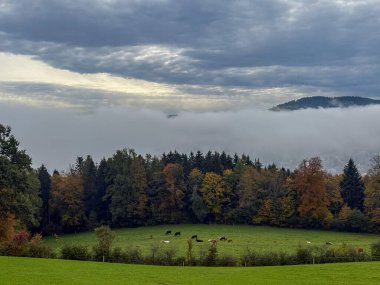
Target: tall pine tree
(45, 189)
(352, 186)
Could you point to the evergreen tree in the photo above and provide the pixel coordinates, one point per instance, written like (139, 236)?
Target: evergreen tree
(88, 171)
(198, 207)
(199, 161)
(101, 206)
(352, 186)
(139, 185)
(45, 189)
(156, 188)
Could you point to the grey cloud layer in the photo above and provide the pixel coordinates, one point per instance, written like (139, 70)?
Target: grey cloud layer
(330, 47)
(283, 138)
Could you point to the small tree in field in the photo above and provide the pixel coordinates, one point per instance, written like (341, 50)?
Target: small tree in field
(105, 238)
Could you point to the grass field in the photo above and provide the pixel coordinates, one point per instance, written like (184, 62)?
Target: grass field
(259, 238)
(31, 271)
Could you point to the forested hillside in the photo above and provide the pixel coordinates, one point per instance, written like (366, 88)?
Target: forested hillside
(316, 102)
(129, 190)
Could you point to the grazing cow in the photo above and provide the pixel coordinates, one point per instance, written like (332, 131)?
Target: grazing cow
(223, 238)
(230, 240)
(308, 242)
(165, 241)
(169, 232)
(328, 243)
(360, 250)
(177, 234)
(198, 240)
(194, 237)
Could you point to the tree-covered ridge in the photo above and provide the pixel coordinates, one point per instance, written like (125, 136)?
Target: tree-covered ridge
(129, 190)
(316, 102)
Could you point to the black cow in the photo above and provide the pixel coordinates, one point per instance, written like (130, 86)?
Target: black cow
(177, 234)
(194, 237)
(223, 238)
(168, 232)
(199, 240)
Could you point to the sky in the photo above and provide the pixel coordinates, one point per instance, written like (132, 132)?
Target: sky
(93, 76)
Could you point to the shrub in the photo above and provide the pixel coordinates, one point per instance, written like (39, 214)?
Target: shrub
(134, 256)
(248, 257)
(346, 252)
(118, 255)
(304, 255)
(18, 246)
(154, 254)
(375, 249)
(36, 248)
(286, 259)
(357, 221)
(168, 256)
(210, 259)
(226, 260)
(252, 258)
(202, 253)
(75, 252)
(105, 238)
(190, 252)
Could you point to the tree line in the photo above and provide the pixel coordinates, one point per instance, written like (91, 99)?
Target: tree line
(130, 190)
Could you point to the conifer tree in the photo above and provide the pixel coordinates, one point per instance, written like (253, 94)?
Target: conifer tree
(45, 189)
(352, 186)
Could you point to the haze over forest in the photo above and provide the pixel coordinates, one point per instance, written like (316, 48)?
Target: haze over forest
(91, 77)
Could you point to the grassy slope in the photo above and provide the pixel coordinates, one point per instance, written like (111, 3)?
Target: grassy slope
(254, 237)
(15, 270)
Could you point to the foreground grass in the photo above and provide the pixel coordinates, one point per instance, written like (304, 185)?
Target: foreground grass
(14, 270)
(259, 238)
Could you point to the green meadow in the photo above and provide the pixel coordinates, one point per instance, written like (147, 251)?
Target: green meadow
(258, 238)
(16, 270)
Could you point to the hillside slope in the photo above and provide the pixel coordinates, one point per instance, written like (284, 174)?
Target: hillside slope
(325, 102)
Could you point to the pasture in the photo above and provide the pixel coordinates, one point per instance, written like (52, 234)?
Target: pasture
(17, 270)
(258, 238)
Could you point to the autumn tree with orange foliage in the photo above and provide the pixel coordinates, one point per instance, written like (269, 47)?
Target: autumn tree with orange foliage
(172, 203)
(215, 194)
(313, 201)
(67, 204)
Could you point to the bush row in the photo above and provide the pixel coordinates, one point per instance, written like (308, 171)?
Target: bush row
(23, 244)
(210, 257)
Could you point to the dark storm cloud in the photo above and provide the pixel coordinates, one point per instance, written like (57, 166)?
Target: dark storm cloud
(109, 23)
(331, 47)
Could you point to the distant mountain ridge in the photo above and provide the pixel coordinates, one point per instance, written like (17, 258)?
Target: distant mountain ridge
(325, 102)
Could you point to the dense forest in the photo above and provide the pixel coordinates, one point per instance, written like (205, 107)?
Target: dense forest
(130, 190)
